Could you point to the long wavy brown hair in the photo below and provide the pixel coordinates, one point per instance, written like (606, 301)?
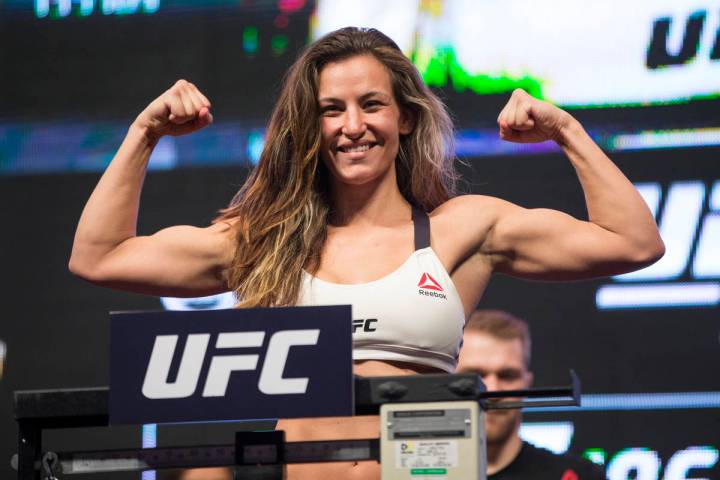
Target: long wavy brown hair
(280, 214)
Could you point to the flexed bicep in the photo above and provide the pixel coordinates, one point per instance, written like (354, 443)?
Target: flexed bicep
(176, 261)
(546, 244)
(620, 234)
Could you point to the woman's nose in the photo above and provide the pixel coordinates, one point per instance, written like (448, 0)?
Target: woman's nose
(354, 125)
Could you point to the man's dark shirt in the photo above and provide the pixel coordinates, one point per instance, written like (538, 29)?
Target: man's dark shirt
(540, 464)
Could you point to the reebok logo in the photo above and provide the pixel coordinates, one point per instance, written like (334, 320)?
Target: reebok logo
(428, 282)
(429, 287)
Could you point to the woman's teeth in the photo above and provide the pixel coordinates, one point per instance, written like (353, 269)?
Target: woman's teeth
(359, 148)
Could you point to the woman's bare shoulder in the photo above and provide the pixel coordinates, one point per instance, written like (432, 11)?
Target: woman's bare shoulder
(461, 225)
(223, 235)
(470, 210)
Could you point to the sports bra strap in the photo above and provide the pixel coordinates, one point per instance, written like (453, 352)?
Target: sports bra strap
(421, 225)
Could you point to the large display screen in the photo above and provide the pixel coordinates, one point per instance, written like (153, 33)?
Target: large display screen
(640, 76)
(572, 53)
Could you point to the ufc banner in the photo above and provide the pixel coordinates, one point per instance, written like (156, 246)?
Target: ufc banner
(235, 364)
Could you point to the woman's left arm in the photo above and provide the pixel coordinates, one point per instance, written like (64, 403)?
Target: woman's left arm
(620, 234)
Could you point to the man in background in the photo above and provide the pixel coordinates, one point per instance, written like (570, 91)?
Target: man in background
(496, 345)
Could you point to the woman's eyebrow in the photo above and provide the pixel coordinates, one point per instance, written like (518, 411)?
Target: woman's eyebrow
(330, 100)
(365, 96)
(373, 93)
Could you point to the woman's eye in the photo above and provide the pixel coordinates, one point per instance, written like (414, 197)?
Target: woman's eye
(329, 109)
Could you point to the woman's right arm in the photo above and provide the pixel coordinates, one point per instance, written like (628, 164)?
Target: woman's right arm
(176, 261)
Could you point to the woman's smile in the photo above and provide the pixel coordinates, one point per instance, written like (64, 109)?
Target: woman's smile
(360, 121)
(352, 148)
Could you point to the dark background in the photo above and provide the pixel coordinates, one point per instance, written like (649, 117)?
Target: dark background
(108, 68)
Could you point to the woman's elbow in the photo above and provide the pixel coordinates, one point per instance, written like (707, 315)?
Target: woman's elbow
(649, 253)
(78, 267)
(82, 266)
(659, 251)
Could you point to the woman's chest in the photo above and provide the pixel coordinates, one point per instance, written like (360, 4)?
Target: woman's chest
(361, 257)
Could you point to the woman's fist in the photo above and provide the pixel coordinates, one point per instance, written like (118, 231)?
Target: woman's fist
(525, 119)
(181, 109)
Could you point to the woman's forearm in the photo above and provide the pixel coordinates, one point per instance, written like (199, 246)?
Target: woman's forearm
(105, 246)
(110, 214)
(612, 201)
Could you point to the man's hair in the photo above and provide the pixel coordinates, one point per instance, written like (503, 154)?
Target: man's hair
(502, 325)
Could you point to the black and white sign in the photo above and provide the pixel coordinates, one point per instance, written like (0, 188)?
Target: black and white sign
(230, 364)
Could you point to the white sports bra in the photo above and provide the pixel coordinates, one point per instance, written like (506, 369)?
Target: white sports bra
(413, 314)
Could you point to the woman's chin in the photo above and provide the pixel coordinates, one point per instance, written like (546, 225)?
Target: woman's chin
(360, 180)
(357, 176)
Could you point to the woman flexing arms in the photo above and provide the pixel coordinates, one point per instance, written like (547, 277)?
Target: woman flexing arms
(353, 202)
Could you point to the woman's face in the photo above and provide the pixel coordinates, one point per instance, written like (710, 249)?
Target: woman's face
(360, 120)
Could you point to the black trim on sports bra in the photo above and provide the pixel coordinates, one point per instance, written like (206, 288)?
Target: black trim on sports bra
(421, 226)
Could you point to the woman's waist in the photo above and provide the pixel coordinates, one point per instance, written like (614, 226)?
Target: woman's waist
(404, 358)
(357, 427)
(387, 368)
(330, 428)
